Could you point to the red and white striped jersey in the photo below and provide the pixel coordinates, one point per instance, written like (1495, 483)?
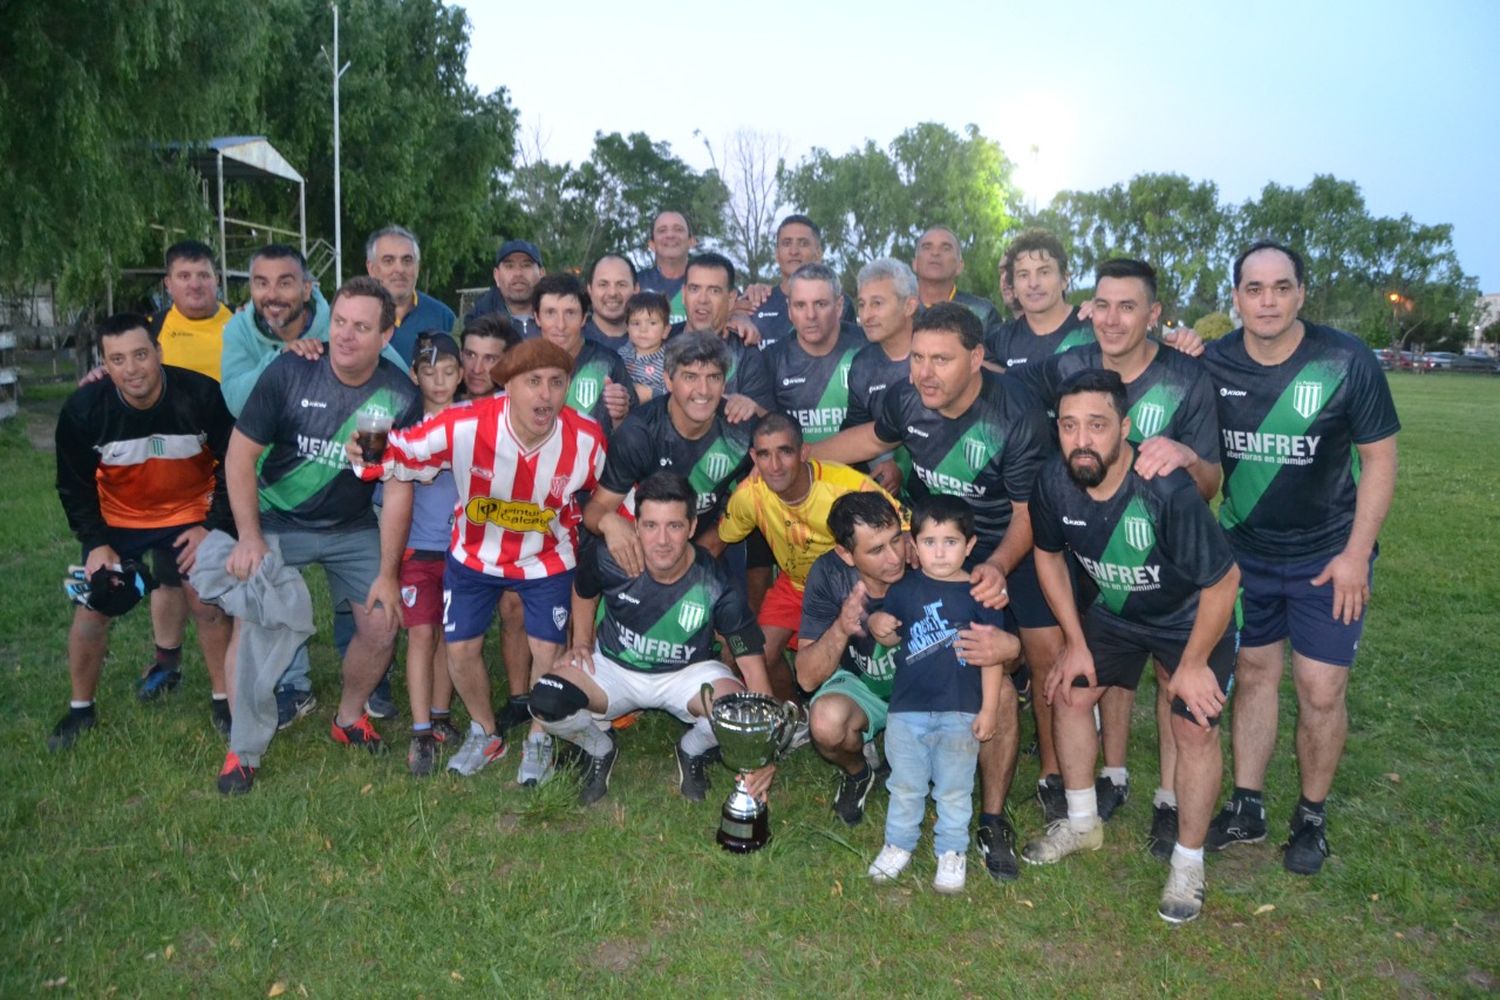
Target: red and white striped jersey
(516, 515)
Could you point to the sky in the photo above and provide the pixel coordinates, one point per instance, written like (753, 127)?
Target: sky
(1402, 98)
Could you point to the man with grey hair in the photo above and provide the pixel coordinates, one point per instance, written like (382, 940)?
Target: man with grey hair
(887, 304)
(685, 430)
(810, 371)
(938, 262)
(393, 257)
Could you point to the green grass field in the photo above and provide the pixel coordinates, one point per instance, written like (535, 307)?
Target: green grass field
(125, 872)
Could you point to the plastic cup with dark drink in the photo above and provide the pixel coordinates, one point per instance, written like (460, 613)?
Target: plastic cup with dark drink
(370, 433)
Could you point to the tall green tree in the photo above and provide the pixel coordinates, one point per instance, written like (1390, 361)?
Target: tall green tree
(874, 202)
(607, 203)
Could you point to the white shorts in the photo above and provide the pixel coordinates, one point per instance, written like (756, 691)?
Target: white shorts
(629, 690)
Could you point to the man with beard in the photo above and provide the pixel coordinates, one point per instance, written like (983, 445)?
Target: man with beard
(670, 244)
(1167, 584)
(1173, 423)
(938, 263)
(887, 305)
(286, 314)
(975, 434)
(612, 281)
(1309, 433)
(519, 459)
(394, 258)
(518, 267)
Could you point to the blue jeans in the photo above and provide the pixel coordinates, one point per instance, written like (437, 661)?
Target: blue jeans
(936, 749)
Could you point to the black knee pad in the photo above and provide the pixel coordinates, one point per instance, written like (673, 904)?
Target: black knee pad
(554, 698)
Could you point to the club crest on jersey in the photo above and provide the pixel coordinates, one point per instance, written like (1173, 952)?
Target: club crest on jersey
(844, 376)
(975, 453)
(1307, 398)
(559, 483)
(691, 616)
(1139, 534)
(1150, 418)
(718, 465)
(586, 392)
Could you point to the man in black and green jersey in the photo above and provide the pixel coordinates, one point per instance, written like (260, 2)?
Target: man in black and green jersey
(978, 435)
(670, 243)
(938, 262)
(799, 241)
(810, 370)
(612, 281)
(1309, 435)
(654, 647)
(836, 657)
(708, 294)
(1037, 268)
(600, 387)
(887, 304)
(1167, 581)
(685, 431)
(290, 489)
(1173, 423)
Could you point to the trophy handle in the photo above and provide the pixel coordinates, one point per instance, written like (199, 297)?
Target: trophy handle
(791, 717)
(706, 699)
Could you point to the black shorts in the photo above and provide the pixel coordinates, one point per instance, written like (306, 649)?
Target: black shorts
(758, 554)
(1120, 653)
(136, 543)
(1028, 605)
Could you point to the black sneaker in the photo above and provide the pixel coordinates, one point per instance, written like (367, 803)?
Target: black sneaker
(445, 732)
(517, 712)
(421, 755)
(1052, 798)
(219, 711)
(358, 733)
(235, 778)
(997, 845)
(70, 727)
(1110, 795)
(1163, 836)
(1308, 845)
(292, 705)
(158, 681)
(1236, 823)
(594, 776)
(692, 774)
(849, 802)
(380, 704)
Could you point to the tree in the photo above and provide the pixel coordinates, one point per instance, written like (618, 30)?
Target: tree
(1175, 224)
(874, 202)
(750, 163)
(89, 90)
(607, 203)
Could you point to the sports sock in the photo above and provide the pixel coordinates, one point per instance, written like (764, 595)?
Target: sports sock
(439, 714)
(1165, 797)
(1249, 796)
(81, 707)
(220, 696)
(1083, 809)
(1118, 776)
(989, 819)
(579, 728)
(1305, 807)
(421, 727)
(700, 739)
(169, 657)
(1187, 857)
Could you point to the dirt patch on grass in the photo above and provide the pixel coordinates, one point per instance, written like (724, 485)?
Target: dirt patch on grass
(618, 954)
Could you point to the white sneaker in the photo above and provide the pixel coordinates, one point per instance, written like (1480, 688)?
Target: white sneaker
(1060, 840)
(889, 864)
(951, 871)
(1182, 898)
(801, 736)
(479, 749)
(872, 755)
(536, 760)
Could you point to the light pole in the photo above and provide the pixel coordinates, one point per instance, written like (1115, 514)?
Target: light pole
(338, 205)
(1394, 298)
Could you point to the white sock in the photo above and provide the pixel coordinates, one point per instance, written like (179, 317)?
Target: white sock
(220, 696)
(579, 729)
(1165, 797)
(477, 729)
(1118, 776)
(1187, 857)
(81, 704)
(1083, 809)
(700, 739)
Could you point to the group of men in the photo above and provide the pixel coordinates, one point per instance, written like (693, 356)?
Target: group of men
(739, 530)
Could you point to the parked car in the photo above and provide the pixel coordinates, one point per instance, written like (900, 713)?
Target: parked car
(1387, 358)
(1479, 363)
(1440, 360)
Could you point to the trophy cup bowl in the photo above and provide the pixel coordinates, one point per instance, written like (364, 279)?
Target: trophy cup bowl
(753, 730)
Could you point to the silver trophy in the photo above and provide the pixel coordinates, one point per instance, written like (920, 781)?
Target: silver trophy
(753, 730)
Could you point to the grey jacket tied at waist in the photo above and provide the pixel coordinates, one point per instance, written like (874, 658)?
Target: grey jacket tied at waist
(275, 615)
